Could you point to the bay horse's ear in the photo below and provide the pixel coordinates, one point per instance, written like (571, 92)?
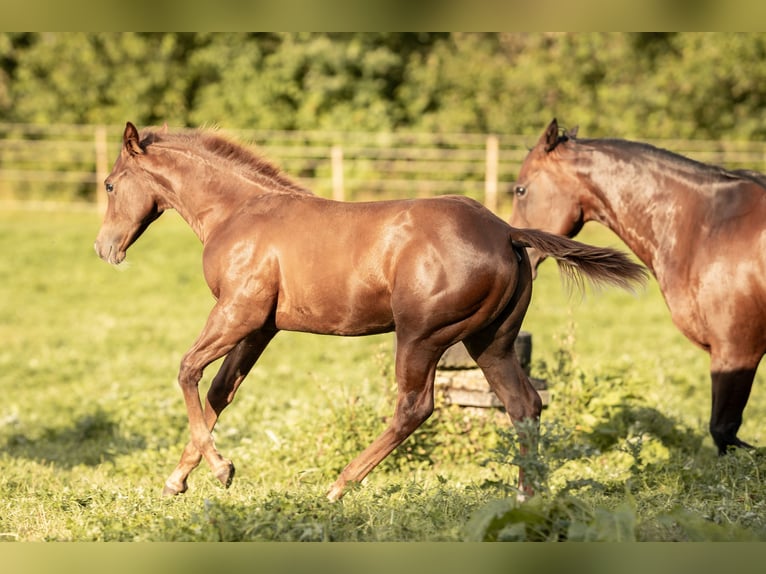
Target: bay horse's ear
(551, 136)
(572, 134)
(130, 140)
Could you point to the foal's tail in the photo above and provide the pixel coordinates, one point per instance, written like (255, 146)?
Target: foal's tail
(601, 265)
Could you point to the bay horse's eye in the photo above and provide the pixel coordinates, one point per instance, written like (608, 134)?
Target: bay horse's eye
(109, 187)
(520, 191)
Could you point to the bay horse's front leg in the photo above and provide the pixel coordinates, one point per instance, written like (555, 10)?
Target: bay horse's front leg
(731, 390)
(235, 368)
(222, 332)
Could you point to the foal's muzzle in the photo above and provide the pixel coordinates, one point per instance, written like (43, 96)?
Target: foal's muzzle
(109, 253)
(113, 249)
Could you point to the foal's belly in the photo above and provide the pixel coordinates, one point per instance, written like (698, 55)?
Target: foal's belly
(336, 311)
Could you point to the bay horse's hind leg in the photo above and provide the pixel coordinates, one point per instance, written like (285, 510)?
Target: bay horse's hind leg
(233, 371)
(415, 372)
(502, 369)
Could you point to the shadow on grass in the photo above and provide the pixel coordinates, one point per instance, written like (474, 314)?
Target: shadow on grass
(628, 420)
(94, 438)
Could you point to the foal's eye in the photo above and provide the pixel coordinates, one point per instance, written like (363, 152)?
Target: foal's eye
(109, 187)
(520, 191)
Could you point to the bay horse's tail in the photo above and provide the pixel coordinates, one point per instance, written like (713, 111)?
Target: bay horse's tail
(601, 265)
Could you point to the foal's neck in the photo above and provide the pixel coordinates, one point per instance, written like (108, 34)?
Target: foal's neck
(206, 194)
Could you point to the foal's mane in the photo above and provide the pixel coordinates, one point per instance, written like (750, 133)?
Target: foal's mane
(238, 157)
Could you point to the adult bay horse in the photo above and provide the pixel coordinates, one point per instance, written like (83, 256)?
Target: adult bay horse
(276, 257)
(699, 228)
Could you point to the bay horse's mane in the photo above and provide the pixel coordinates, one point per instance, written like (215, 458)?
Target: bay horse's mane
(240, 158)
(629, 150)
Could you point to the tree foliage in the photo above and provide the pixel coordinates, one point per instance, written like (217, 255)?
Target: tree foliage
(642, 85)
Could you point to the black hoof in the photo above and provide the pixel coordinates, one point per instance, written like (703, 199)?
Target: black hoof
(226, 475)
(732, 444)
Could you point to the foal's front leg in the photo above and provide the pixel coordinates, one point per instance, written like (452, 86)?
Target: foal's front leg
(235, 368)
(222, 332)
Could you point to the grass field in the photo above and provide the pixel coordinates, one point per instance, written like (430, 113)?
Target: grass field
(92, 420)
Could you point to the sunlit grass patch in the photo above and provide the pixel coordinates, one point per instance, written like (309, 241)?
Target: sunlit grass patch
(92, 420)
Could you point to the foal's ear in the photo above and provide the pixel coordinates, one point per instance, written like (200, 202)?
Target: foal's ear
(130, 140)
(551, 136)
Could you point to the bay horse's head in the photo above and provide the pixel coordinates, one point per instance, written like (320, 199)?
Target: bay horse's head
(132, 200)
(545, 192)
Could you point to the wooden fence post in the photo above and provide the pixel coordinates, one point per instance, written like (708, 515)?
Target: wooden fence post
(102, 169)
(490, 182)
(336, 157)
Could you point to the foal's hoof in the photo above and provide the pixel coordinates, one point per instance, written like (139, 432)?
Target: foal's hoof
(172, 490)
(342, 487)
(335, 493)
(226, 475)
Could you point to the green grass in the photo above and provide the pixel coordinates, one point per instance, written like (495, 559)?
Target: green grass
(92, 420)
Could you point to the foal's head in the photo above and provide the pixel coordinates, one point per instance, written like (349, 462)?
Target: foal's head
(133, 199)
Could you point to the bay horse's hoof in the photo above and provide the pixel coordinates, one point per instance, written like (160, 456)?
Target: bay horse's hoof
(226, 475)
(732, 445)
(744, 444)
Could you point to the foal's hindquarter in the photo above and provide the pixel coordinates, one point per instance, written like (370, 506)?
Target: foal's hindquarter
(437, 271)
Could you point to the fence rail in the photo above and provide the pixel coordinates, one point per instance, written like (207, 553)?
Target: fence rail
(68, 162)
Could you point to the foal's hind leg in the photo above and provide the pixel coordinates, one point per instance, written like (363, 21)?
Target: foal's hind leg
(235, 368)
(415, 371)
(500, 365)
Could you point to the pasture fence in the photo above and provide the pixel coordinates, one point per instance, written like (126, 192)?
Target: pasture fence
(67, 163)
